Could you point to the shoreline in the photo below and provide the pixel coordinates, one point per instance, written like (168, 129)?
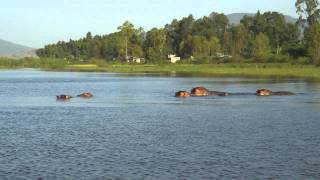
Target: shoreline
(279, 71)
(208, 70)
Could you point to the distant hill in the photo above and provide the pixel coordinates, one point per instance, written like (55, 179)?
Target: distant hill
(9, 49)
(235, 18)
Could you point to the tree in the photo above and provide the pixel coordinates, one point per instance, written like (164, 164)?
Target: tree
(182, 33)
(88, 36)
(312, 37)
(137, 51)
(215, 47)
(239, 39)
(200, 46)
(185, 47)
(255, 36)
(155, 43)
(112, 46)
(261, 46)
(126, 30)
(275, 28)
(281, 34)
(220, 23)
(308, 10)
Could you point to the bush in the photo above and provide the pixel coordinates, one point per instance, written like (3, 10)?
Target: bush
(302, 61)
(10, 63)
(279, 59)
(100, 63)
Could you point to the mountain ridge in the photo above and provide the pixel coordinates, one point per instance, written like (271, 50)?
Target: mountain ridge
(10, 49)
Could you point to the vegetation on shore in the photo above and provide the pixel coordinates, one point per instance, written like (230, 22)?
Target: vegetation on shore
(9, 63)
(229, 69)
(264, 36)
(235, 69)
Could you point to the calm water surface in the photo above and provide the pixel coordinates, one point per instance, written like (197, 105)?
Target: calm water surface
(135, 129)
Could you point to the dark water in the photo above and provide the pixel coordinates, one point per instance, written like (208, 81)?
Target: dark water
(135, 129)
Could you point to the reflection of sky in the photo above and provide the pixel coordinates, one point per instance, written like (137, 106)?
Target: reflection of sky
(36, 23)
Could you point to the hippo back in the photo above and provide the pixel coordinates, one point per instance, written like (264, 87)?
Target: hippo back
(200, 91)
(283, 93)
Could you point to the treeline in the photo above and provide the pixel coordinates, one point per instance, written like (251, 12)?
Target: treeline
(264, 37)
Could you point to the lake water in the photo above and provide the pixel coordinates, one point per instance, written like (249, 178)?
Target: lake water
(134, 128)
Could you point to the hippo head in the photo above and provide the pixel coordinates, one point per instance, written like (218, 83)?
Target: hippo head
(86, 95)
(200, 91)
(183, 94)
(263, 92)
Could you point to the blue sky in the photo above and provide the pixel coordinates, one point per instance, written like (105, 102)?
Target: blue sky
(38, 22)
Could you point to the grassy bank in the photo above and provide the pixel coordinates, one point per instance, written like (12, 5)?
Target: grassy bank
(248, 70)
(278, 70)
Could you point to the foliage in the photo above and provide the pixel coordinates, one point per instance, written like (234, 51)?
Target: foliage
(312, 38)
(33, 63)
(308, 10)
(261, 46)
(263, 37)
(155, 44)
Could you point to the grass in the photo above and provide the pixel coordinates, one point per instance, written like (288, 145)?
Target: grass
(248, 70)
(278, 70)
(82, 66)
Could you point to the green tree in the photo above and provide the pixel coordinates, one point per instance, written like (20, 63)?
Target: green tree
(181, 40)
(214, 44)
(275, 28)
(137, 51)
(261, 46)
(126, 31)
(155, 44)
(239, 39)
(312, 37)
(185, 47)
(200, 46)
(308, 10)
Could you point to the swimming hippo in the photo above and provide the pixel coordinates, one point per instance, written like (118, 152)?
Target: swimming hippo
(266, 92)
(201, 91)
(85, 95)
(263, 92)
(63, 97)
(183, 94)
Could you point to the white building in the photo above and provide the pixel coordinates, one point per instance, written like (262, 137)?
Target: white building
(135, 59)
(173, 58)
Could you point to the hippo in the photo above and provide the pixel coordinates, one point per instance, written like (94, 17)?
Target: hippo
(63, 97)
(201, 91)
(85, 95)
(263, 92)
(182, 94)
(266, 92)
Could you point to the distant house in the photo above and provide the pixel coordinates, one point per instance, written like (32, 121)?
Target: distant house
(135, 59)
(173, 58)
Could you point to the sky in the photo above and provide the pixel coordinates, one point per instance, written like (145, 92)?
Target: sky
(35, 23)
